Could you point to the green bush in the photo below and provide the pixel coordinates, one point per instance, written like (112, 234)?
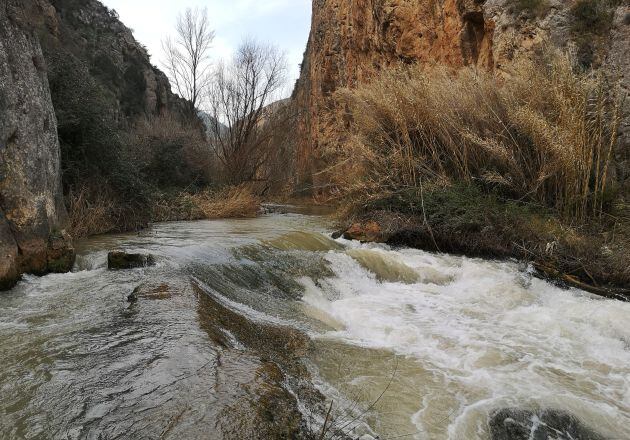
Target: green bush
(592, 16)
(462, 206)
(94, 150)
(591, 23)
(171, 153)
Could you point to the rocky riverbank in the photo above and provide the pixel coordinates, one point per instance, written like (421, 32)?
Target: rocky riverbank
(593, 258)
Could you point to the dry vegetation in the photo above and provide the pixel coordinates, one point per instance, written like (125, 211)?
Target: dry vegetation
(510, 166)
(174, 163)
(89, 213)
(542, 134)
(230, 202)
(246, 131)
(171, 152)
(93, 213)
(121, 173)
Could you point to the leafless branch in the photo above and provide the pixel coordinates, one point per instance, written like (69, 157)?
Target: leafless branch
(187, 55)
(243, 127)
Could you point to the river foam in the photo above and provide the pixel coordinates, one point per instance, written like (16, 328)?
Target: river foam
(490, 334)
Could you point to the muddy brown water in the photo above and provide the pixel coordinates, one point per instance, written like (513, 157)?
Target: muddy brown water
(251, 328)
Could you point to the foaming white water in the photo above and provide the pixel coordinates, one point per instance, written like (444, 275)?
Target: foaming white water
(491, 337)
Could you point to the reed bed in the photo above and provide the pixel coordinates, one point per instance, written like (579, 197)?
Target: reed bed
(229, 202)
(543, 132)
(89, 214)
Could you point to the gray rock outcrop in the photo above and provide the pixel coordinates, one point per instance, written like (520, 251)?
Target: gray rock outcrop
(32, 212)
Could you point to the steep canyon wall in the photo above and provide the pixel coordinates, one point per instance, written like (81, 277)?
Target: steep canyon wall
(32, 212)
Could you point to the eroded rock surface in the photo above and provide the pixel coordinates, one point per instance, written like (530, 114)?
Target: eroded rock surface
(516, 424)
(32, 212)
(94, 35)
(270, 402)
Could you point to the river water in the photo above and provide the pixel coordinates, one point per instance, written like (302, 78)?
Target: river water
(251, 328)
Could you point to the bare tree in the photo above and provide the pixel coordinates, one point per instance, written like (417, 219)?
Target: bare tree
(187, 56)
(242, 126)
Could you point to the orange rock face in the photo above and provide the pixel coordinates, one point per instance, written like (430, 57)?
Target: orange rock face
(369, 232)
(350, 41)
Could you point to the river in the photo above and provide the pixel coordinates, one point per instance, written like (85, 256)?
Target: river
(251, 328)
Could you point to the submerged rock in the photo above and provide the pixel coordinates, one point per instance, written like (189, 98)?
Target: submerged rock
(121, 260)
(517, 424)
(157, 292)
(305, 241)
(133, 296)
(338, 234)
(269, 403)
(384, 267)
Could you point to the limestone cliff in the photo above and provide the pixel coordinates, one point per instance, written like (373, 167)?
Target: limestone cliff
(31, 202)
(350, 41)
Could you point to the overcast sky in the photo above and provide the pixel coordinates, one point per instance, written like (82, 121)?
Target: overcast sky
(284, 23)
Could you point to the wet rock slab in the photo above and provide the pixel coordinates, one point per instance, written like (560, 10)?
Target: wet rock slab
(268, 407)
(518, 424)
(118, 260)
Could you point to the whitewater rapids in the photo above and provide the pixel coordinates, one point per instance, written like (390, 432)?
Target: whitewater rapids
(404, 343)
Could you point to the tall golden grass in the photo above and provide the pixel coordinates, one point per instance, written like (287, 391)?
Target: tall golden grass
(543, 132)
(94, 212)
(229, 202)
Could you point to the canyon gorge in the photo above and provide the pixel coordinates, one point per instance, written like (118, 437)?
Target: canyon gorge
(426, 237)
(349, 43)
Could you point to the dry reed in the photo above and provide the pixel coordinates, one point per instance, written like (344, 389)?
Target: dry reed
(542, 133)
(229, 202)
(90, 214)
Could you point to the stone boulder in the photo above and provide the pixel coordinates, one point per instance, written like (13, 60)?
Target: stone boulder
(118, 260)
(61, 254)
